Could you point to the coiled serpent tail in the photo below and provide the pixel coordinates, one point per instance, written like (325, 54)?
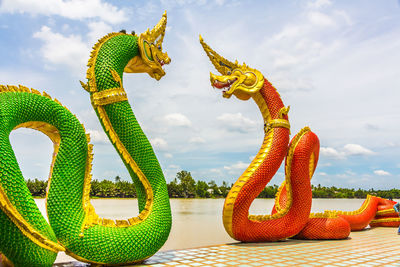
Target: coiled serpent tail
(25, 237)
(301, 160)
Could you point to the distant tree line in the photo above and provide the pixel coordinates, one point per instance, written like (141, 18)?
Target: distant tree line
(184, 186)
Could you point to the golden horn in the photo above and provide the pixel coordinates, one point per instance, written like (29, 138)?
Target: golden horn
(220, 63)
(158, 32)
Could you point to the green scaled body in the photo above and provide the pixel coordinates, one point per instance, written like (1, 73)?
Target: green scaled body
(17, 108)
(74, 224)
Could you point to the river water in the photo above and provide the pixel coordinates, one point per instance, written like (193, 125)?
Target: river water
(198, 222)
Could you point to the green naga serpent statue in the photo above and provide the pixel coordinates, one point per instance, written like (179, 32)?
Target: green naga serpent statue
(26, 239)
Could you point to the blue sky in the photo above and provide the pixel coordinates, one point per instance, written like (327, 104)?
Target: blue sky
(336, 63)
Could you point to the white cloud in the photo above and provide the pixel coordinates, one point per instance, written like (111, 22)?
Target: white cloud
(168, 155)
(63, 50)
(372, 126)
(327, 164)
(391, 144)
(215, 170)
(354, 149)
(97, 30)
(292, 84)
(285, 60)
(346, 174)
(97, 136)
(298, 43)
(350, 172)
(171, 170)
(173, 166)
(237, 166)
(177, 119)
(347, 150)
(288, 32)
(73, 9)
(236, 122)
(30, 78)
(72, 50)
(319, 4)
(197, 140)
(364, 179)
(159, 143)
(147, 9)
(343, 15)
(330, 152)
(320, 19)
(381, 173)
(322, 173)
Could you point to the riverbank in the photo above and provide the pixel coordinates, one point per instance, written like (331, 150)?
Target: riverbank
(271, 198)
(187, 187)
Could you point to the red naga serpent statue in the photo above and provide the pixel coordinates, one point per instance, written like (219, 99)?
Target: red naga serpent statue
(291, 215)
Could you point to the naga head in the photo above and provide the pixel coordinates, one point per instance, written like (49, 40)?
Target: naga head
(238, 80)
(151, 58)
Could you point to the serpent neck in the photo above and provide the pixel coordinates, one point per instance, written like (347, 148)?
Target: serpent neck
(254, 178)
(113, 54)
(106, 65)
(269, 102)
(108, 60)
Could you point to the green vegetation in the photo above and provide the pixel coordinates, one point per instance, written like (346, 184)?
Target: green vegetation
(184, 186)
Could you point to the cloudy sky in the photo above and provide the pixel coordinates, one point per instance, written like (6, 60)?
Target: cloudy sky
(336, 63)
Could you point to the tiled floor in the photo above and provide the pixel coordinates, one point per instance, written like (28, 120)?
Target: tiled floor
(374, 247)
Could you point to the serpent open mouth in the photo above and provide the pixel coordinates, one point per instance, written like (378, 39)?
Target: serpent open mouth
(226, 86)
(161, 61)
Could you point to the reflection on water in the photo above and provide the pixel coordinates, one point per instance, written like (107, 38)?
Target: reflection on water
(198, 222)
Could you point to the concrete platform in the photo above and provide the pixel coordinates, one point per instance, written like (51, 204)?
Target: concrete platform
(371, 247)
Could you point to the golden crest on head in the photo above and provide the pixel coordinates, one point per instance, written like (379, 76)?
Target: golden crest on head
(151, 58)
(239, 80)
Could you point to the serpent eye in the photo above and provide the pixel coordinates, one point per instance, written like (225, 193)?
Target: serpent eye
(147, 50)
